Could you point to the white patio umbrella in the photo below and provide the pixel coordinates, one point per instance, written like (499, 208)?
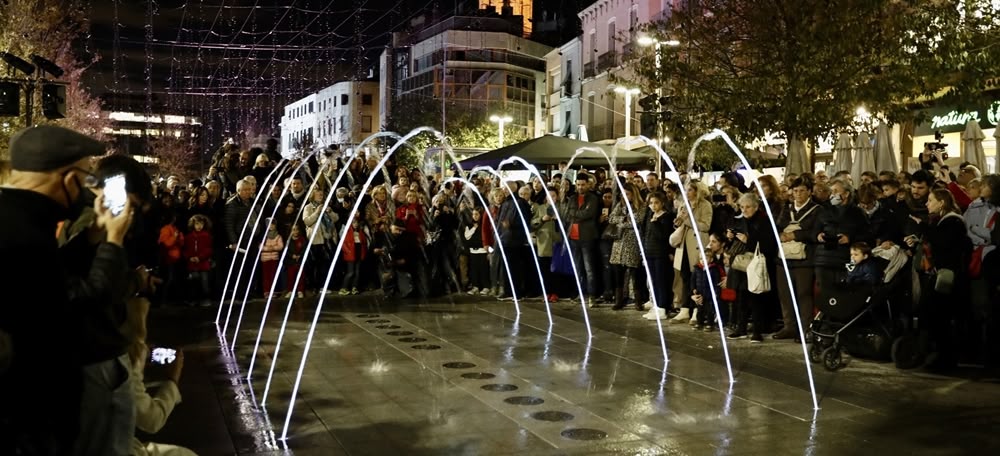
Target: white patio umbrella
(842, 153)
(885, 154)
(973, 138)
(864, 159)
(796, 162)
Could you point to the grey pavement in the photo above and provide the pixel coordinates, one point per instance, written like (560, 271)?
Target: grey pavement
(469, 376)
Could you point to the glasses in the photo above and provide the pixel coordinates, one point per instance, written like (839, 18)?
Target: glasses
(89, 179)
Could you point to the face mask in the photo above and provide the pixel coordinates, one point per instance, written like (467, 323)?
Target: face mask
(872, 210)
(835, 200)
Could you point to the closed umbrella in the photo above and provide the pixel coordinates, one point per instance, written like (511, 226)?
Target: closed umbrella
(795, 163)
(864, 158)
(842, 153)
(885, 154)
(973, 151)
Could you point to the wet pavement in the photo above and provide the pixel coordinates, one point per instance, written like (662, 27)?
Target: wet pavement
(468, 376)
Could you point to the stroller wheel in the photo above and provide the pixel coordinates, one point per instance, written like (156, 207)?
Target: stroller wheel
(906, 353)
(832, 359)
(815, 352)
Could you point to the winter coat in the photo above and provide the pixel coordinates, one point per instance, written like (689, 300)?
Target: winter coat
(510, 222)
(237, 212)
(880, 226)
(656, 235)
(625, 249)
(546, 233)
(354, 251)
(584, 215)
(296, 248)
(846, 219)
(699, 281)
(198, 244)
(949, 244)
(981, 220)
(866, 272)
(414, 222)
(807, 218)
(271, 249)
(703, 220)
(472, 239)
(375, 212)
(319, 221)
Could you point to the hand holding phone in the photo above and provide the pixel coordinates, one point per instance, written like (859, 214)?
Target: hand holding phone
(115, 196)
(161, 355)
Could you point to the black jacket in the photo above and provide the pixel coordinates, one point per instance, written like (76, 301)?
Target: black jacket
(585, 215)
(807, 218)
(656, 235)
(237, 213)
(40, 391)
(510, 224)
(846, 219)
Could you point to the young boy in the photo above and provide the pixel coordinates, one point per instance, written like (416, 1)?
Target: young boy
(862, 270)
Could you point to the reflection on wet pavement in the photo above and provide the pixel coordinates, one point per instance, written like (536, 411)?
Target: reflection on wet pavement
(474, 378)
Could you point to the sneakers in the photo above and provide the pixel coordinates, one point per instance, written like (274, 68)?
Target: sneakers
(484, 292)
(709, 328)
(656, 313)
(354, 291)
(473, 291)
(344, 292)
(696, 326)
(736, 334)
(682, 316)
(756, 338)
(694, 318)
(300, 295)
(288, 295)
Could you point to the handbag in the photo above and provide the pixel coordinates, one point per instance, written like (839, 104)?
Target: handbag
(944, 281)
(728, 294)
(677, 237)
(758, 280)
(742, 261)
(794, 250)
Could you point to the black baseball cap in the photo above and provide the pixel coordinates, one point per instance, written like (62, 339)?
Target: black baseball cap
(49, 147)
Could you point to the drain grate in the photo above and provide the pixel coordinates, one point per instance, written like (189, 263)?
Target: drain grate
(388, 326)
(426, 347)
(524, 400)
(459, 365)
(369, 316)
(499, 387)
(552, 415)
(412, 339)
(381, 320)
(584, 434)
(399, 333)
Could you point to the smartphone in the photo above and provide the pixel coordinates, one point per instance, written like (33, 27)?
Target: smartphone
(162, 355)
(115, 196)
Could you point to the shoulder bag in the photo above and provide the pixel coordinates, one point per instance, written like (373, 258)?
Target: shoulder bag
(795, 250)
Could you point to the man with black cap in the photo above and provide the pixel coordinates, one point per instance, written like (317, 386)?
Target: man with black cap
(40, 390)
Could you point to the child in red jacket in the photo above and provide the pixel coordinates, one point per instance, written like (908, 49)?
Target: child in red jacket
(198, 254)
(354, 251)
(171, 242)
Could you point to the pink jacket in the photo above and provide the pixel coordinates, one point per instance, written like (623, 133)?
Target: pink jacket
(271, 249)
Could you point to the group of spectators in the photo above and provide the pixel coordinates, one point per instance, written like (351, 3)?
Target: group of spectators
(413, 236)
(73, 338)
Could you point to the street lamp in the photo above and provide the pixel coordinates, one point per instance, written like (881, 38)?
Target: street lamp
(647, 41)
(500, 120)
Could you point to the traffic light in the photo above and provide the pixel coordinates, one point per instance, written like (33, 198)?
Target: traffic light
(54, 101)
(648, 102)
(647, 125)
(10, 99)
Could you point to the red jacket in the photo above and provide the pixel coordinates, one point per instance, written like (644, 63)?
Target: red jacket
(171, 242)
(198, 244)
(414, 223)
(348, 250)
(961, 198)
(486, 224)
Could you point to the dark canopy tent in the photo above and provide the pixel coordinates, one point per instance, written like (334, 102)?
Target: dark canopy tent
(550, 150)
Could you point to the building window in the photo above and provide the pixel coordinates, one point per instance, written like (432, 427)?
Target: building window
(633, 21)
(310, 106)
(593, 46)
(611, 37)
(343, 100)
(342, 122)
(366, 99)
(366, 124)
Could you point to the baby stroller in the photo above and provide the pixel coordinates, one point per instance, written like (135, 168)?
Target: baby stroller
(859, 319)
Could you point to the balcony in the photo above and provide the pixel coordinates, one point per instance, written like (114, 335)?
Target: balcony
(607, 60)
(589, 69)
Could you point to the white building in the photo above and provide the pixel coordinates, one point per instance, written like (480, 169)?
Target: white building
(298, 125)
(610, 29)
(343, 114)
(563, 77)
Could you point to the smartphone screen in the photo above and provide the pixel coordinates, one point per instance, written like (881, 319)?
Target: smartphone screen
(114, 194)
(163, 355)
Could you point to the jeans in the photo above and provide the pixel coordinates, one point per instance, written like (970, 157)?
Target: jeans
(352, 275)
(662, 271)
(586, 270)
(201, 280)
(107, 410)
(607, 273)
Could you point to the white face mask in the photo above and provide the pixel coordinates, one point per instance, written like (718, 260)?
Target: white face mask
(835, 200)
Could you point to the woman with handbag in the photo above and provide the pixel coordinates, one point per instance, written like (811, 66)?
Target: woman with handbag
(625, 257)
(753, 230)
(688, 250)
(944, 277)
(796, 225)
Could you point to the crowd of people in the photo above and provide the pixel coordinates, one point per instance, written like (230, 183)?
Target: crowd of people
(271, 228)
(413, 236)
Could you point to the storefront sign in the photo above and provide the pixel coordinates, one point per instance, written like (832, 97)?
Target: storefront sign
(953, 120)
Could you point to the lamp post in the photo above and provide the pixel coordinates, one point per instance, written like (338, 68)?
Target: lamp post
(628, 92)
(647, 41)
(500, 120)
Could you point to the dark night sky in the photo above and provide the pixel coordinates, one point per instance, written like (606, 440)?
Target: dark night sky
(240, 61)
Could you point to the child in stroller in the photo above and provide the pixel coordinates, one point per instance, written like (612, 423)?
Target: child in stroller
(857, 314)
